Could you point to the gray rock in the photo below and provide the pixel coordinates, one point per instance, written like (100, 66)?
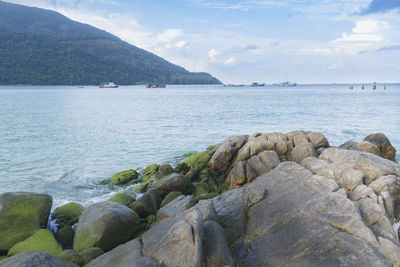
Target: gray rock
(372, 166)
(176, 241)
(226, 152)
(128, 254)
(289, 227)
(176, 206)
(384, 145)
(303, 151)
(35, 259)
(368, 147)
(216, 250)
(105, 225)
(174, 182)
(318, 140)
(349, 145)
(164, 170)
(21, 215)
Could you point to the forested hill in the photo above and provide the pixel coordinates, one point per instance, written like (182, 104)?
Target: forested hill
(43, 47)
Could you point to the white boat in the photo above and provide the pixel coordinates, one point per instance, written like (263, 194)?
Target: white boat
(287, 84)
(108, 85)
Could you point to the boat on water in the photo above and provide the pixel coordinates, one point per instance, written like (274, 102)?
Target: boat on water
(287, 84)
(108, 85)
(233, 85)
(156, 85)
(374, 86)
(257, 84)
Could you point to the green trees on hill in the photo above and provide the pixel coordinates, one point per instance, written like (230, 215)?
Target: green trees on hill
(43, 47)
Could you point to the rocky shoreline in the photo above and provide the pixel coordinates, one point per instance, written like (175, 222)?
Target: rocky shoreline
(266, 199)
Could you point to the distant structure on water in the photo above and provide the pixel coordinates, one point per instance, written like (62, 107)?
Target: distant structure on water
(374, 86)
(156, 85)
(108, 85)
(233, 85)
(257, 84)
(287, 84)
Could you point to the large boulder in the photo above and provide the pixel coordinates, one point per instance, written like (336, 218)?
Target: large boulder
(177, 206)
(176, 241)
(67, 214)
(387, 151)
(174, 182)
(143, 206)
(21, 215)
(286, 226)
(43, 240)
(168, 198)
(128, 254)
(105, 225)
(35, 259)
(122, 198)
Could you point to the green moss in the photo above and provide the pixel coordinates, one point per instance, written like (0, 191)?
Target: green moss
(150, 172)
(122, 198)
(3, 257)
(67, 214)
(171, 196)
(43, 240)
(192, 175)
(124, 178)
(71, 256)
(199, 160)
(182, 168)
(210, 148)
(199, 189)
(65, 235)
(141, 188)
(21, 215)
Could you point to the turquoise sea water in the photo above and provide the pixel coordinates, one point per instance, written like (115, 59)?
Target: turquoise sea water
(63, 140)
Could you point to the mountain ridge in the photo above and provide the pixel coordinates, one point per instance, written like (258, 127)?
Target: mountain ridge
(43, 47)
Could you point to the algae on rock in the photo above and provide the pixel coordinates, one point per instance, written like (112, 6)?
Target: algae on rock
(43, 240)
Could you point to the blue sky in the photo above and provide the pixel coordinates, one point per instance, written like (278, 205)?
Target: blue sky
(311, 41)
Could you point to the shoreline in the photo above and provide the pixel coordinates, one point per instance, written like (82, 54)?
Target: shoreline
(151, 197)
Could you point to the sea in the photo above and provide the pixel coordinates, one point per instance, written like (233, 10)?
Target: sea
(63, 140)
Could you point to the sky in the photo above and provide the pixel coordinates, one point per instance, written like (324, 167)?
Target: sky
(244, 41)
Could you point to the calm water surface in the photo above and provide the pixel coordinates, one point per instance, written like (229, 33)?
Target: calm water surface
(63, 140)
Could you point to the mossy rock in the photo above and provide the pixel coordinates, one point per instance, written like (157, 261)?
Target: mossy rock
(126, 177)
(193, 174)
(164, 170)
(71, 256)
(68, 214)
(21, 215)
(122, 198)
(65, 236)
(200, 189)
(155, 199)
(173, 182)
(211, 148)
(90, 254)
(171, 196)
(182, 168)
(143, 206)
(141, 188)
(148, 222)
(199, 160)
(149, 172)
(43, 240)
(3, 257)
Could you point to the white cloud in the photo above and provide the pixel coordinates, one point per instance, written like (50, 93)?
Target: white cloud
(169, 35)
(181, 44)
(365, 31)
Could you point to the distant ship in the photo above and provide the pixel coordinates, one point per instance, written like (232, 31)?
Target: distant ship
(287, 84)
(374, 86)
(156, 85)
(233, 85)
(108, 85)
(257, 84)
